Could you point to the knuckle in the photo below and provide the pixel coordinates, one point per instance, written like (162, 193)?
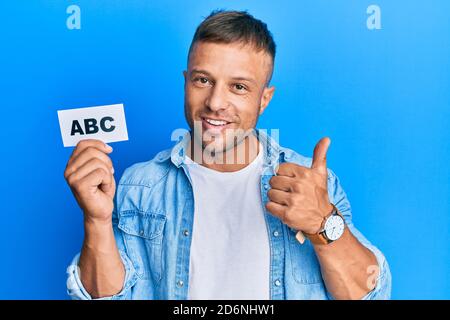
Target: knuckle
(97, 142)
(307, 174)
(100, 171)
(283, 165)
(96, 162)
(70, 179)
(66, 173)
(81, 144)
(108, 161)
(77, 184)
(103, 158)
(291, 209)
(86, 143)
(90, 151)
(287, 219)
(300, 172)
(297, 187)
(290, 200)
(294, 215)
(293, 199)
(95, 153)
(297, 201)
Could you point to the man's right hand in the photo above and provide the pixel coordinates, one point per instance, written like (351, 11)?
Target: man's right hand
(89, 173)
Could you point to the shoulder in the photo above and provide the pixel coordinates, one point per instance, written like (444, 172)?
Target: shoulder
(148, 173)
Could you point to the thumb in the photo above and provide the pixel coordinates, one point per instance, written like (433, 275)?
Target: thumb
(319, 160)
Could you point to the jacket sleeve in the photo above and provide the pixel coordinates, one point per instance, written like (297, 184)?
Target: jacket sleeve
(382, 290)
(75, 288)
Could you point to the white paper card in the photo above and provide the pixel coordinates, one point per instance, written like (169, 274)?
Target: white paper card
(105, 123)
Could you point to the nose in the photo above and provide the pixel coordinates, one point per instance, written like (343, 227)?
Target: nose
(217, 99)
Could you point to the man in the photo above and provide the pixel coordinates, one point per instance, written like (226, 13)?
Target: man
(221, 216)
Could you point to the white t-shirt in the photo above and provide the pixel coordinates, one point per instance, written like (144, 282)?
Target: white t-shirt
(230, 252)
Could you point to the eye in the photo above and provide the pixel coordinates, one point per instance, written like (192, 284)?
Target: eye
(240, 87)
(201, 80)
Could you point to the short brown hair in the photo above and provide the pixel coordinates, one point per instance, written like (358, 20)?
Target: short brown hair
(223, 26)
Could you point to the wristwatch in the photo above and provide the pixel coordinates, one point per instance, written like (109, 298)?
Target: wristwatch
(332, 228)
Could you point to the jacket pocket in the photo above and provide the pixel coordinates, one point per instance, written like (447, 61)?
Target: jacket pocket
(304, 263)
(143, 237)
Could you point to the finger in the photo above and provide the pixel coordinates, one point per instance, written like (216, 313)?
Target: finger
(276, 209)
(85, 156)
(278, 196)
(83, 144)
(286, 169)
(87, 168)
(292, 170)
(282, 183)
(319, 161)
(110, 187)
(97, 177)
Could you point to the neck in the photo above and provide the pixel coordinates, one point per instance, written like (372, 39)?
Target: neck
(247, 150)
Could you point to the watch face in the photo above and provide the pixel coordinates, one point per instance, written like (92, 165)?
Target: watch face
(334, 227)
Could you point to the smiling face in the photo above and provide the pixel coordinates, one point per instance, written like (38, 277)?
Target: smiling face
(225, 91)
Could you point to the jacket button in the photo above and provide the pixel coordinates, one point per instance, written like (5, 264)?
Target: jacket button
(141, 232)
(277, 283)
(186, 232)
(276, 233)
(180, 283)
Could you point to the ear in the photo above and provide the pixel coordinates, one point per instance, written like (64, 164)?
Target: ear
(185, 75)
(266, 97)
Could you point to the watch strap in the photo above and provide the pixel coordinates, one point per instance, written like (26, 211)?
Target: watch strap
(320, 237)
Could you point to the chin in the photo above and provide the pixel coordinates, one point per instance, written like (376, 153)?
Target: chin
(216, 146)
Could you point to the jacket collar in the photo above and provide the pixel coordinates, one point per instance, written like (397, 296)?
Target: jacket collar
(273, 153)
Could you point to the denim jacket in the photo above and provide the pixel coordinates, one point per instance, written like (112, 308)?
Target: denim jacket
(153, 219)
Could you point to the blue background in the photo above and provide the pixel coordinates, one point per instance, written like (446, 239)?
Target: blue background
(383, 96)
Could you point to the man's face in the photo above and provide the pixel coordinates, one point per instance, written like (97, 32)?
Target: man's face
(225, 89)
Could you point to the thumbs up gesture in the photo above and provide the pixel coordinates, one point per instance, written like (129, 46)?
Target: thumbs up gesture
(299, 195)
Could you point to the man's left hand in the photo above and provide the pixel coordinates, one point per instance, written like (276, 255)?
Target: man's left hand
(299, 195)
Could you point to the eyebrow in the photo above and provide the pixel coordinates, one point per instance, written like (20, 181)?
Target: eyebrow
(234, 78)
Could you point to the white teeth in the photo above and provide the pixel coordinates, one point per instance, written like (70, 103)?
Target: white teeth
(216, 122)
